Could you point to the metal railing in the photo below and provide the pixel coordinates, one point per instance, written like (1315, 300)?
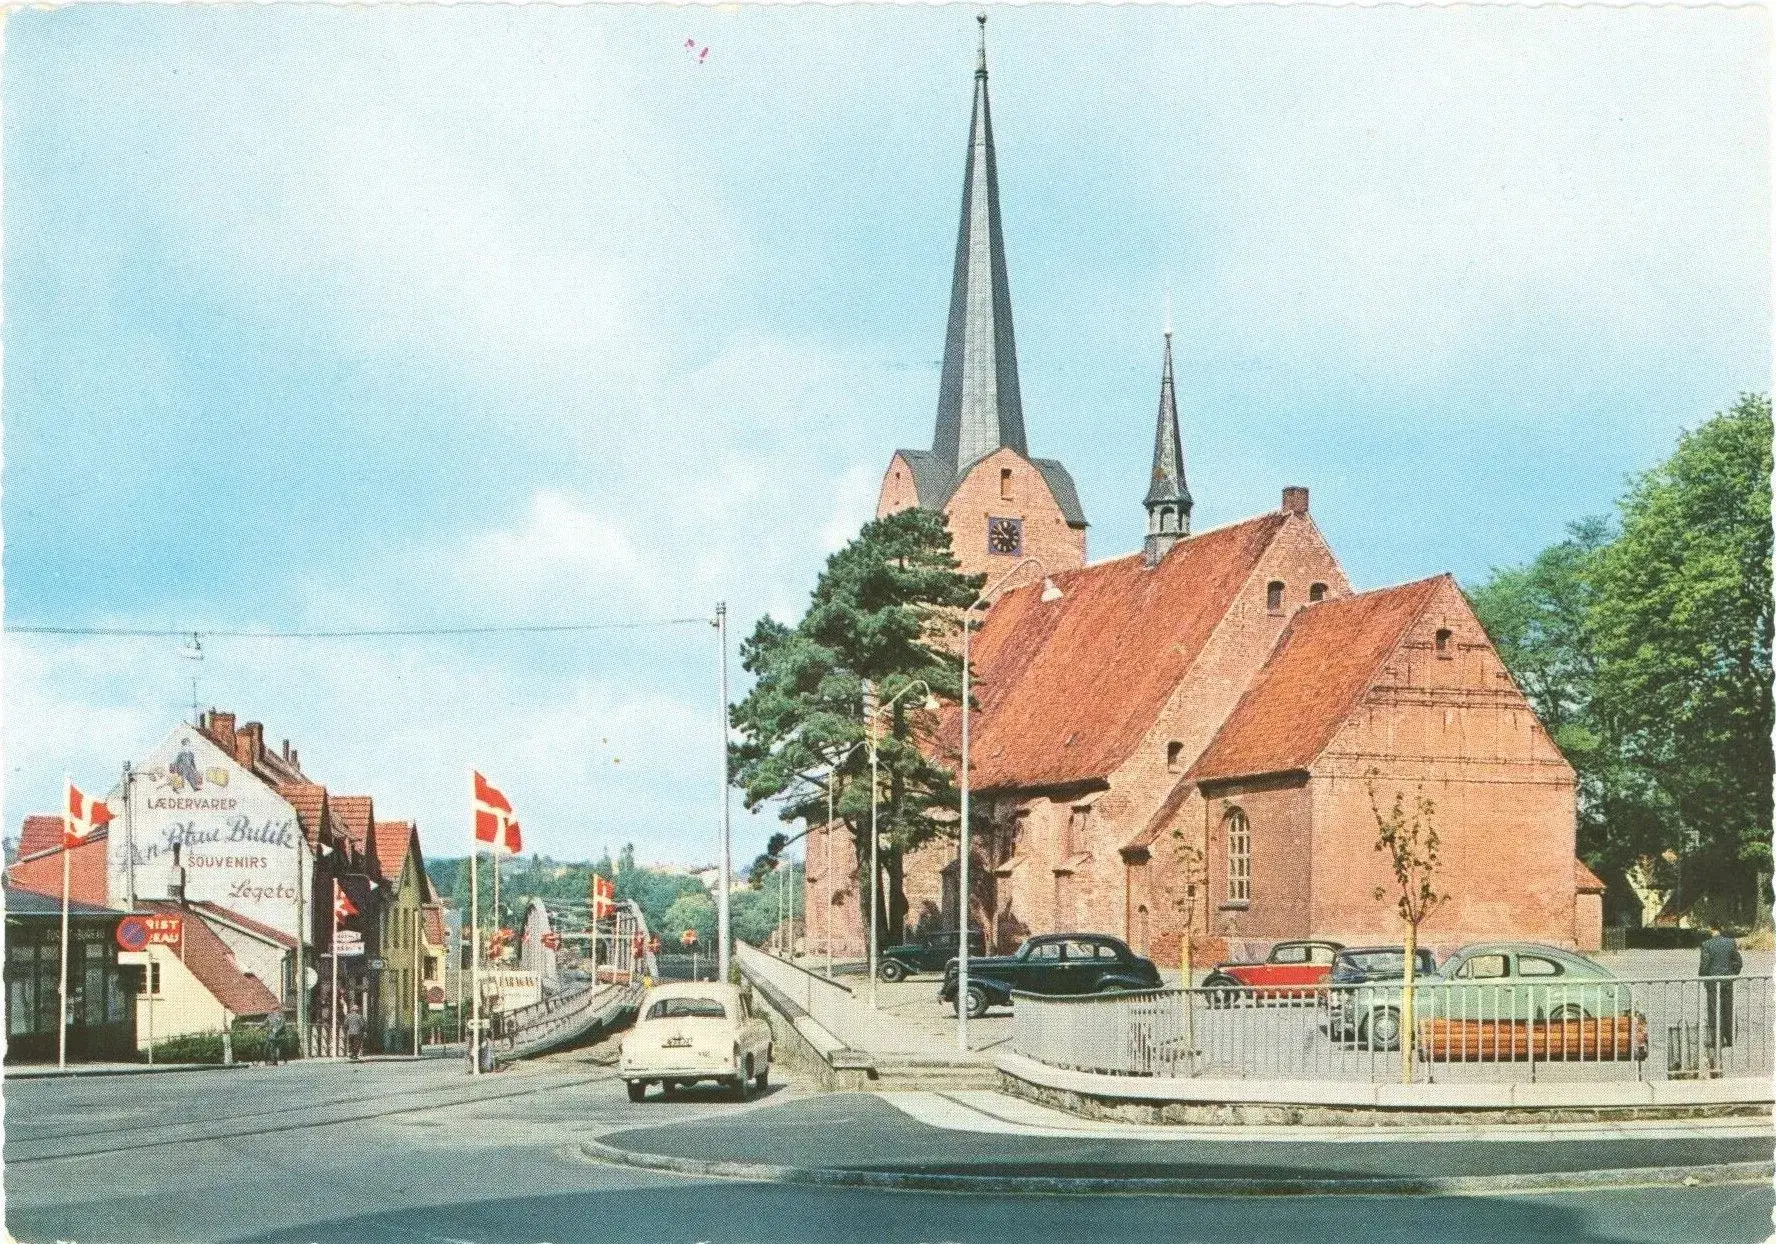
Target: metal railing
(833, 1005)
(1669, 1029)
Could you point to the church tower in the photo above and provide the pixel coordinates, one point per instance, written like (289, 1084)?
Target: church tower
(1168, 496)
(1001, 504)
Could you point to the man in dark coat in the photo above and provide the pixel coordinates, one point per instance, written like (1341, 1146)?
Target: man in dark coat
(1720, 959)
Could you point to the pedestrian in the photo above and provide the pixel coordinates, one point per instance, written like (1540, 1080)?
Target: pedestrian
(1720, 961)
(274, 1037)
(354, 1032)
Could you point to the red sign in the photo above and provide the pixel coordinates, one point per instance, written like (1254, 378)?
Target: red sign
(552, 940)
(136, 932)
(688, 937)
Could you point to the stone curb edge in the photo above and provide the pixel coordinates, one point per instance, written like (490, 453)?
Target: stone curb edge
(144, 1070)
(915, 1181)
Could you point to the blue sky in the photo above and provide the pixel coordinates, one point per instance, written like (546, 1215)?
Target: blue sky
(332, 317)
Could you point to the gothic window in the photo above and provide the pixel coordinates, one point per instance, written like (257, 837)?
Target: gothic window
(1174, 756)
(1005, 536)
(1273, 596)
(1239, 857)
(1316, 593)
(1443, 648)
(1005, 483)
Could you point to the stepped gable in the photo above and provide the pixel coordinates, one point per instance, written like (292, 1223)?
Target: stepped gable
(1044, 719)
(214, 965)
(1324, 662)
(40, 833)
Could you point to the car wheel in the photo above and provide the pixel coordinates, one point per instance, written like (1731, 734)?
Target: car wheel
(977, 1002)
(891, 971)
(637, 1089)
(1380, 1029)
(1224, 989)
(764, 1078)
(668, 1088)
(743, 1085)
(1567, 1011)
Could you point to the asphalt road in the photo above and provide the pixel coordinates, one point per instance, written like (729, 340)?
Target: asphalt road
(405, 1152)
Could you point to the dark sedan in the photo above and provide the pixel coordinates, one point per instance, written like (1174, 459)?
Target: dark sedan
(928, 952)
(1052, 963)
(1359, 1004)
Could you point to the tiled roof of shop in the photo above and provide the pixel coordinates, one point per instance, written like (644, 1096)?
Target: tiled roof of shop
(310, 801)
(214, 965)
(1044, 667)
(251, 925)
(1322, 665)
(40, 833)
(391, 847)
(354, 814)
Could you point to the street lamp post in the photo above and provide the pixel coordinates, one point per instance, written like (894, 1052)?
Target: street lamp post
(722, 884)
(1049, 593)
(875, 836)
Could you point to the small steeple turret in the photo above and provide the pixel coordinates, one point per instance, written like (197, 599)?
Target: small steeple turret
(1168, 499)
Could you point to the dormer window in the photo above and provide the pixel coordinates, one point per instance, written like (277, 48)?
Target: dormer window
(1316, 593)
(1444, 649)
(1273, 596)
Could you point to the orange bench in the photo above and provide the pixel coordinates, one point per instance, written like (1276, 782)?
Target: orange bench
(1606, 1038)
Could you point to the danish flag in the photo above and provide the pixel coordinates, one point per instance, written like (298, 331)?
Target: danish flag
(493, 817)
(342, 906)
(80, 816)
(604, 897)
(514, 839)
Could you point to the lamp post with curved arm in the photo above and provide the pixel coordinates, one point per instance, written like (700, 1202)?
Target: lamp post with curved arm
(1049, 593)
(875, 837)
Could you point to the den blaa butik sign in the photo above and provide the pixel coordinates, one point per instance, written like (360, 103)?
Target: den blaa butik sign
(198, 825)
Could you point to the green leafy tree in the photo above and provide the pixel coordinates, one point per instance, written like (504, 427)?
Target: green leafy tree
(1681, 626)
(878, 617)
(691, 911)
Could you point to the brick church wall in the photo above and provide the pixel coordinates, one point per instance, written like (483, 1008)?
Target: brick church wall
(1005, 485)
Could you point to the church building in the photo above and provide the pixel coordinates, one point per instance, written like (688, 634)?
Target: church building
(1197, 739)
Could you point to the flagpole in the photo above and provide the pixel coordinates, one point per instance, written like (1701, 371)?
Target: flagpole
(474, 943)
(62, 992)
(333, 945)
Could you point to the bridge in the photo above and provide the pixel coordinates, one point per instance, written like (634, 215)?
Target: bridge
(589, 1007)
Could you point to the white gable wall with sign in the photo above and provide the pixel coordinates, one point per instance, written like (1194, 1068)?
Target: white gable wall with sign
(239, 843)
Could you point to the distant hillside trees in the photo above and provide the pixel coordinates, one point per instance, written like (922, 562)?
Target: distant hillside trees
(1645, 645)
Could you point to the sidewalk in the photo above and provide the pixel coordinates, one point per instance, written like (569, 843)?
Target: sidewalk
(36, 1071)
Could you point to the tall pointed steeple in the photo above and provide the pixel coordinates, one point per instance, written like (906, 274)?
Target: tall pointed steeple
(978, 406)
(1168, 496)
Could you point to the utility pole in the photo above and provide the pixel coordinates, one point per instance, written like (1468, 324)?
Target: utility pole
(721, 913)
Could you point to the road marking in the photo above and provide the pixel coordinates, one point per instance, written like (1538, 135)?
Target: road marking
(983, 1111)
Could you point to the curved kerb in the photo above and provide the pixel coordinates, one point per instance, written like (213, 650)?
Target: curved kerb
(1055, 1185)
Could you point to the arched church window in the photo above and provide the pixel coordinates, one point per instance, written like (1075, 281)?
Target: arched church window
(1273, 596)
(1239, 857)
(1316, 593)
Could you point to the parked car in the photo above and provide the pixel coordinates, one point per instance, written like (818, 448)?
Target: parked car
(1508, 1001)
(928, 952)
(1358, 1004)
(1052, 963)
(1292, 970)
(690, 1031)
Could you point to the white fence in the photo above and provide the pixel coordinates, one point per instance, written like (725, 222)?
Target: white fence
(1461, 1031)
(834, 1006)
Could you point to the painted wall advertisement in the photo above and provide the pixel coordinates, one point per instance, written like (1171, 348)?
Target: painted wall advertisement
(236, 840)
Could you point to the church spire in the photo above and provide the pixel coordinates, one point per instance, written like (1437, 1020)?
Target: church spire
(1168, 496)
(978, 405)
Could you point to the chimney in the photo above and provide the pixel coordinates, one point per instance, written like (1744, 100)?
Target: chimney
(1294, 499)
(220, 728)
(286, 749)
(294, 762)
(254, 734)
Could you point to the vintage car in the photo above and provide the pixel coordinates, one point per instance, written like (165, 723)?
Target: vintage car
(691, 1031)
(1293, 971)
(1508, 1001)
(1051, 963)
(1361, 1000)
(928, 952)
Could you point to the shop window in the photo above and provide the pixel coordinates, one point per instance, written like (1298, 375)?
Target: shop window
(1239, 857)
(1444, 649)
(1316, 593)
(1273, 596)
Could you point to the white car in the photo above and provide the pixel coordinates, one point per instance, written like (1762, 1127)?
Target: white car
(686, 1032)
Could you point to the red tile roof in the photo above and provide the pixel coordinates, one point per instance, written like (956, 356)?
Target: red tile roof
(214, 965)
(246, 922)
(1324, 662)
(434, 925)
(391, 847)
(310, 801)
(40, 833)
(354, 814)
(1043, 667)
(1585, 881)
(41, 871)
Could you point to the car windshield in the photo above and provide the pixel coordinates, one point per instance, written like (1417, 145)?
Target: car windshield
(687, 1008)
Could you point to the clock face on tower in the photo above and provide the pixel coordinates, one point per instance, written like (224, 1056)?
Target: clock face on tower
(1005, 536)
